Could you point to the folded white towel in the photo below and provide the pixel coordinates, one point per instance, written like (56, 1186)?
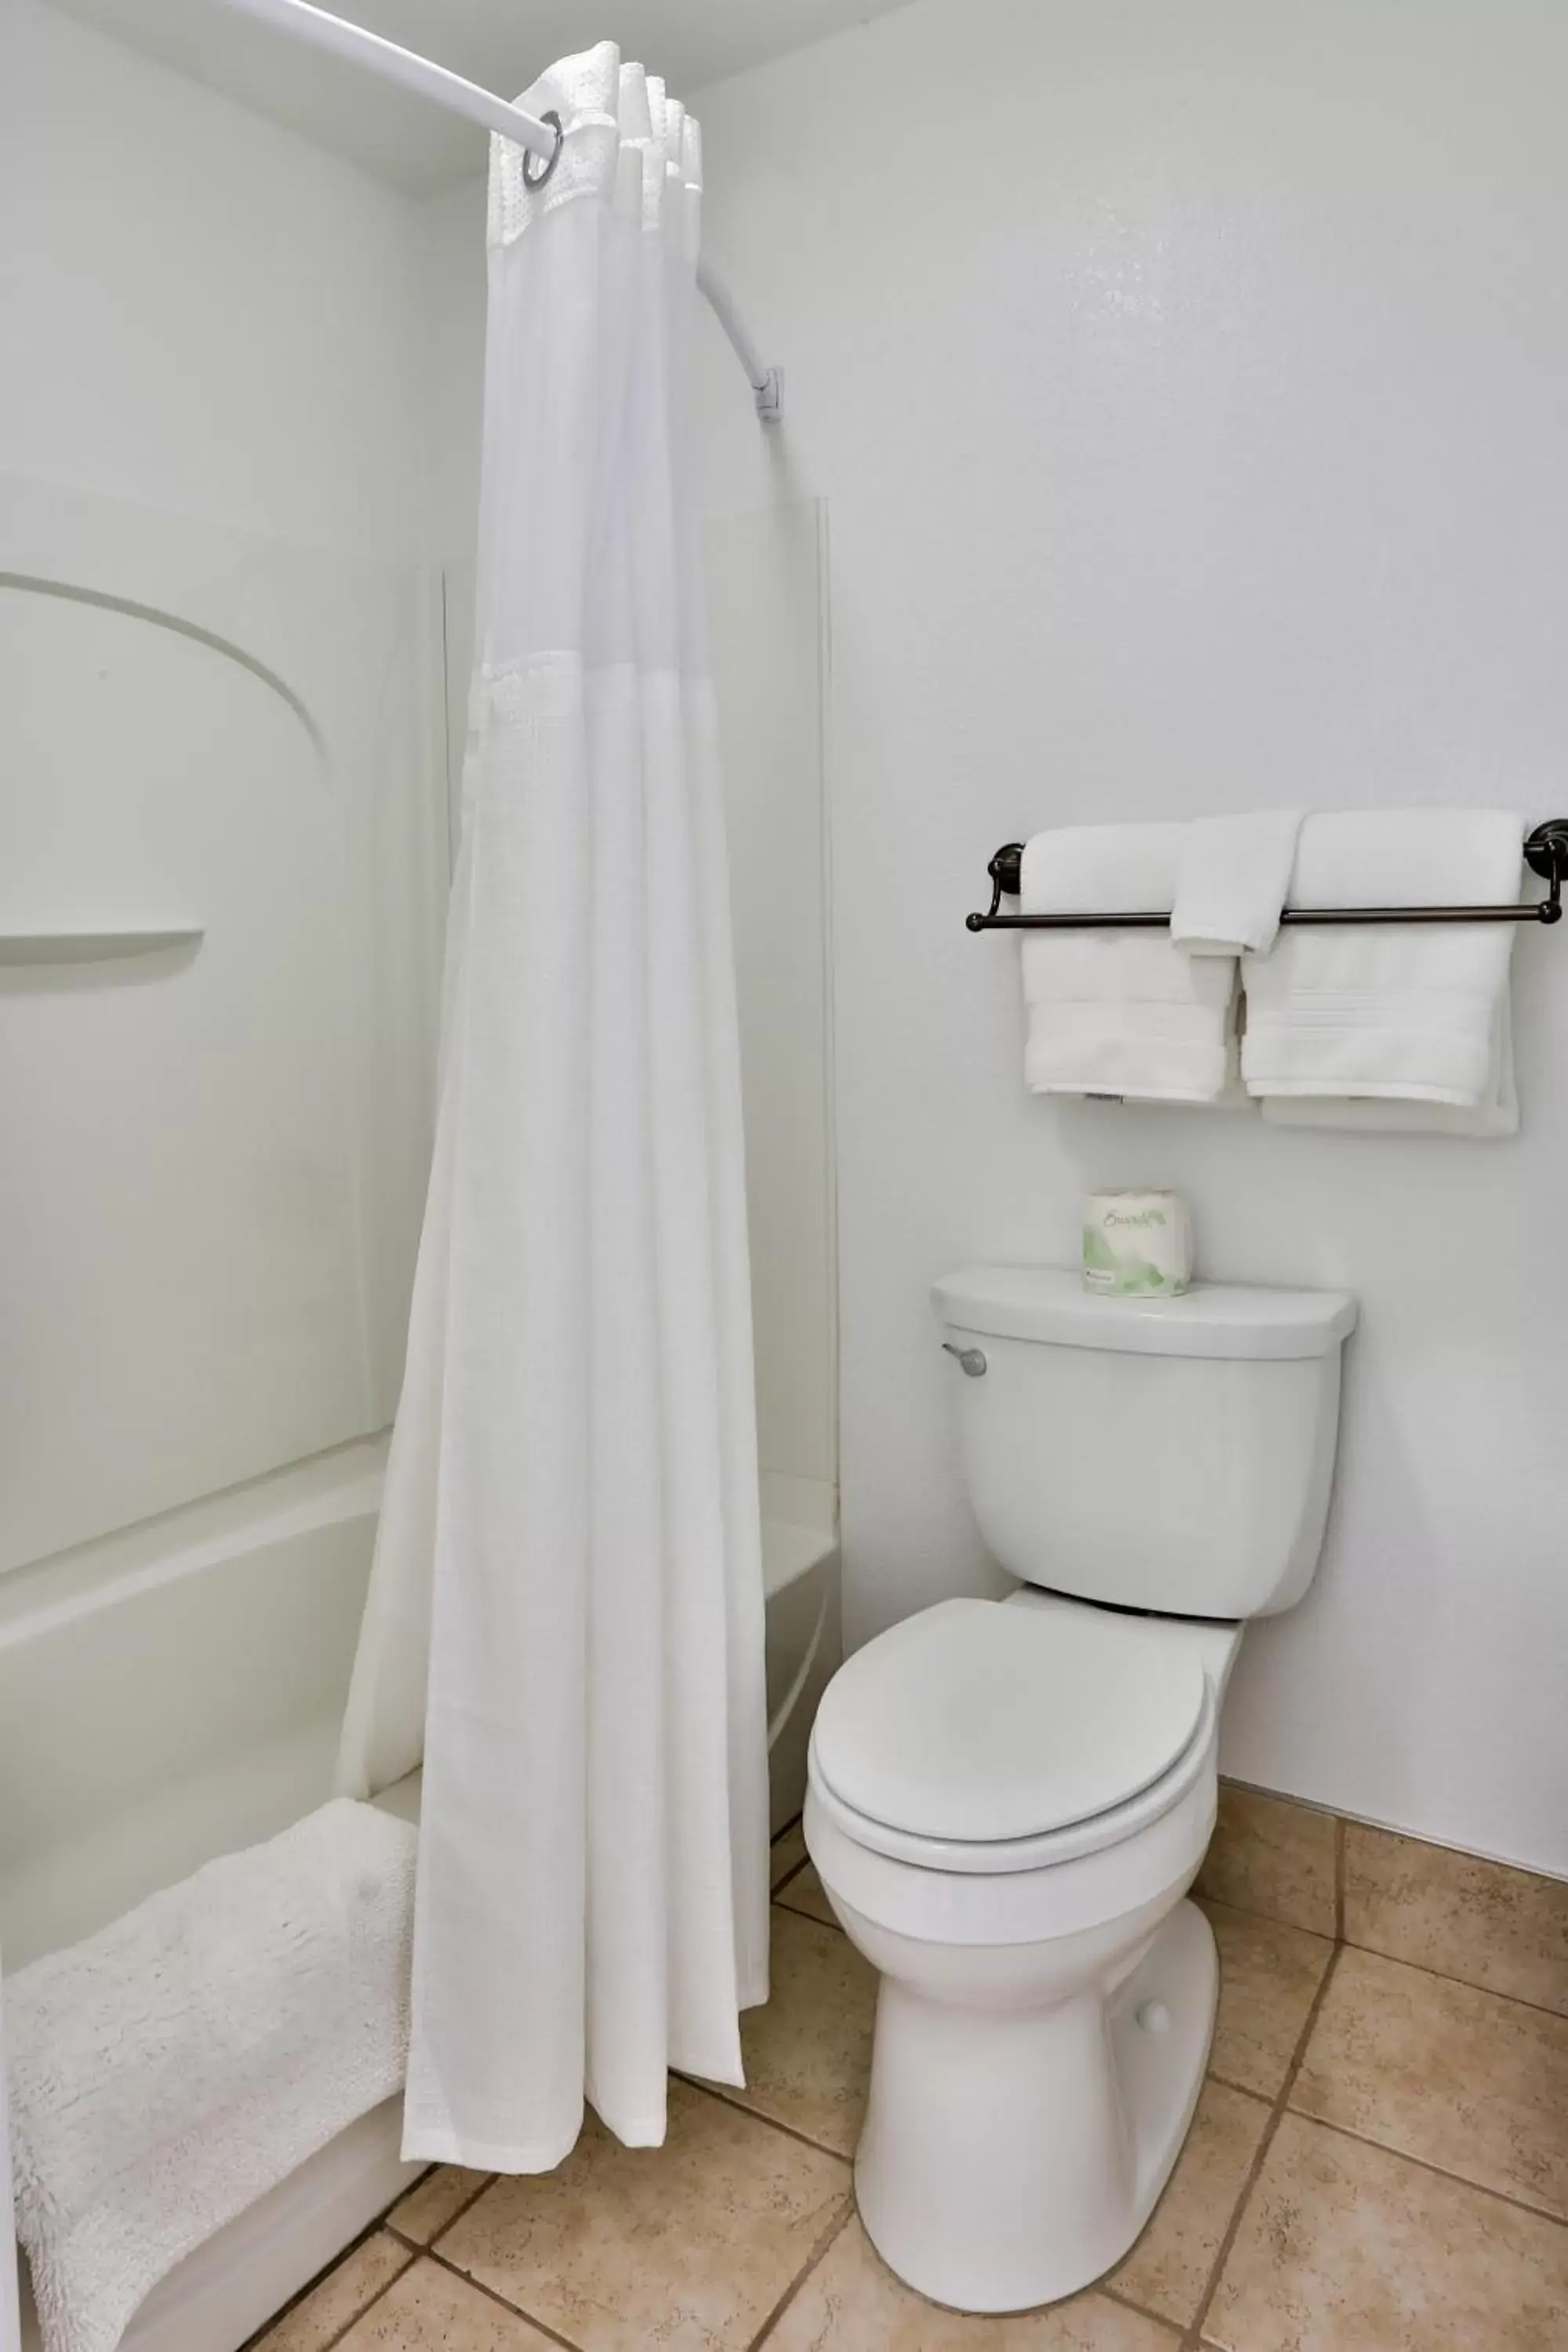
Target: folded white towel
(1120, 1012)
(177, 2066)
(1232, 873)
(1404, 1013)
(1496, 1114)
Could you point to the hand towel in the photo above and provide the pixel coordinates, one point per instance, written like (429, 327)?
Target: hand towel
(171, 2069)
(1406, 1013)
(1232, 873)
(1120, 1012)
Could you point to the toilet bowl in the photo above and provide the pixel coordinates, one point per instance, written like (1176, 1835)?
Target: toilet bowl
(1046, 1998)
(1007, 1801)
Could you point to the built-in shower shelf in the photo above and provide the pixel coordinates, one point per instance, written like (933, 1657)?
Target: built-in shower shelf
(92, 947)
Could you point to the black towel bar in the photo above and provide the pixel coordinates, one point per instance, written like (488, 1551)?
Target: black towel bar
(1546, 852)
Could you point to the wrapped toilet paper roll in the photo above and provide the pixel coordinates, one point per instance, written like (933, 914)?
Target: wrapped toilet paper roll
(1137, 1245)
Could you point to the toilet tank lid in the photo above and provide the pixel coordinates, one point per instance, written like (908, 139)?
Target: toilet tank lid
(1213, 1318)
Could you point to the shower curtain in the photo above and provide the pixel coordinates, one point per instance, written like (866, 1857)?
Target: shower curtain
(565, 1613)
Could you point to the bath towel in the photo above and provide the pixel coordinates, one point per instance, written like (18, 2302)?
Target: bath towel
(170, 2070)
(1120, 1012)
(1412, 1014)
(1232, 873)
(1496, 1114)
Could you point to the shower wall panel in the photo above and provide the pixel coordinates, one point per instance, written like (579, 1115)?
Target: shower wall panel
(217, 1154)
(768, 579)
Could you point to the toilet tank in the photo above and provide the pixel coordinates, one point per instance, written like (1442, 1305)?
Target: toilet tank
(1169, 1453)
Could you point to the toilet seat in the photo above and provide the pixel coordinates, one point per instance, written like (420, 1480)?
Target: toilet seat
(979, 1739)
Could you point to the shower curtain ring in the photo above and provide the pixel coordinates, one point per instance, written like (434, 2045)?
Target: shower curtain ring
(537, 169)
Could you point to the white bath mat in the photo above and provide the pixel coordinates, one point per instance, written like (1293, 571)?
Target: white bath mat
(174, 2067)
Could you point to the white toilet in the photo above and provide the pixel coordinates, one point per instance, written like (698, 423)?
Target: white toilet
(1008, 1800)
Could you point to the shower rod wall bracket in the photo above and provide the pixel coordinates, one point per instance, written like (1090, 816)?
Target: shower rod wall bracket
(770, 396)
(540, 137)
(1546, 852)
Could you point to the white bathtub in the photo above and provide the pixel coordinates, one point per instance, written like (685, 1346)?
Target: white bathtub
(800, 1572)
(174, 1694)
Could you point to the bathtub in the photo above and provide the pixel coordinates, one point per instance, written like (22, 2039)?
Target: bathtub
(805, 1644)
(174, 1693)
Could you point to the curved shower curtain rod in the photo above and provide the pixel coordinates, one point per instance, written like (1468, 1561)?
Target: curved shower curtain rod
(426, 79)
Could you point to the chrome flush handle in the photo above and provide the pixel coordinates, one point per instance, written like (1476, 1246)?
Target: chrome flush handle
(970, 1359)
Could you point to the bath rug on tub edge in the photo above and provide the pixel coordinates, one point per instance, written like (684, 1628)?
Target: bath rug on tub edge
(175, 2066)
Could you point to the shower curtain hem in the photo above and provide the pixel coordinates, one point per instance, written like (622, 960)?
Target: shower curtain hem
(421, 2146)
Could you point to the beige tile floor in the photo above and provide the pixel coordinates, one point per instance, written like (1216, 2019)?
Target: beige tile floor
(1379, 2163)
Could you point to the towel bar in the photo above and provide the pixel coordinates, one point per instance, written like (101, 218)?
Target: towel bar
(1546, 852)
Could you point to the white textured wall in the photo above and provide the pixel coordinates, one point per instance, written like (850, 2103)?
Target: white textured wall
(198, 311)
(1186, 383)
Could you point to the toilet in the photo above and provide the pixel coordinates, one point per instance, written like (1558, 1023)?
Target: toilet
(1008, 1799)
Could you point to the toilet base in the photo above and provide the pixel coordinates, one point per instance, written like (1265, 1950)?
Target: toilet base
(1012, 2154)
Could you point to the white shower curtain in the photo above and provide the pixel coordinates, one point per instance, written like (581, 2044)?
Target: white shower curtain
(566, 1614)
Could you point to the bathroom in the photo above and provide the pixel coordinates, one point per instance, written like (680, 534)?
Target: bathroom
(1171, 397)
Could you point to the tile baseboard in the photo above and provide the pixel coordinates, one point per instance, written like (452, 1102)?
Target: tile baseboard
(1487, 1923)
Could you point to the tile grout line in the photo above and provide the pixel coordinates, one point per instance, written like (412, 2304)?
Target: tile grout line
(789, 1829)
(1533, 1872)
(818, 2255)
(1193, 2339)
(450, 2223)
(1119, 2295)
(366, 2308)
(354, 2320)
(382, 2226)
(259, 2341)
(1114, 2294)
(1379, 1952)
(795, 1911)
(1339, 1878)
(1466, 1984)
(516, 2310)
(726, 2098)
(825, 1926)
(1207, 1903)
(1244, 2090)
(1275, 1918)
(1424, 2164)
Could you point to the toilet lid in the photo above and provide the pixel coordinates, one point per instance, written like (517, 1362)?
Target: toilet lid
(974, 1721)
